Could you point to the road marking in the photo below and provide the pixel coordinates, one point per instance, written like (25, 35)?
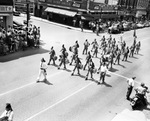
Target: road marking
(121, 76)
(59, 102)
(10, 91)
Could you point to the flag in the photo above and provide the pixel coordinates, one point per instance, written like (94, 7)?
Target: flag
(134, 33)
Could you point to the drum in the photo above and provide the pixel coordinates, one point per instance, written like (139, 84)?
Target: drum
(67, 61)
(70, 49)
(94, 70)
(55, 58)
(66, 54)
(80, 66)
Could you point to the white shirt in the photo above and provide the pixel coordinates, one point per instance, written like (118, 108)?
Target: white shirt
(131, 82)
(8, 114)
(103, 69)
(43, 65)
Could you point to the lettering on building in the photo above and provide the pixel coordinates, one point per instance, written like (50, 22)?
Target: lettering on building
(76, 5)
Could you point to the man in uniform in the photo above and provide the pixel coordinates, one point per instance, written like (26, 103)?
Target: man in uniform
(125, 56)
(86, 45)
(91, 67)
(130, 82)
(87, 60)
(63, 57)
(42, 70)
(77, 65)
(52, 55)
(103, 71)
(118, 56)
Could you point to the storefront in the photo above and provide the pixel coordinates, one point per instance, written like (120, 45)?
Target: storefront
(6, 13)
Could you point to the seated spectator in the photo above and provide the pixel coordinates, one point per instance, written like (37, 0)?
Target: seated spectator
(8, 114)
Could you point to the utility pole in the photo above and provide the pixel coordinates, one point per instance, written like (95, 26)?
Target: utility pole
(28, 17)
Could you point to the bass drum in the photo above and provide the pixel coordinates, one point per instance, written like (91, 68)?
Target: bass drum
(66, 54)
(55, 58)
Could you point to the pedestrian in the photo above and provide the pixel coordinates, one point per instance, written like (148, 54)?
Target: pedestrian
(103, 71)
(52, 56)
(91, 67)
(81, 25)
(63, 57)
(87, 60)
(8, 114)
(86, 45)
(77, 65)
(94, 43)
(42, 70)
(137, 48)
(130, 82)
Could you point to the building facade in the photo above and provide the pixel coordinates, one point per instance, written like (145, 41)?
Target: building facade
(6, 13)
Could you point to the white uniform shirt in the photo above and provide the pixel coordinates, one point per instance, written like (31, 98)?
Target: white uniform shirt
(103, 69)
(131, 82)
(43, 65)
(8, 114)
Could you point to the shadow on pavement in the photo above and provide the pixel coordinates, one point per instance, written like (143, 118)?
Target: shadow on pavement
(20, 54)
(113, 69)
(107, 85)
(46, 82)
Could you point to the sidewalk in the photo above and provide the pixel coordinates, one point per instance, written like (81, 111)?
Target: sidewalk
(57, 24)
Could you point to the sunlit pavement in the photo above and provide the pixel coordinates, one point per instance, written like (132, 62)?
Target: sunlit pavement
(64, 97)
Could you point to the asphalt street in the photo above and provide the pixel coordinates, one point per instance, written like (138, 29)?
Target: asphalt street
(64, 97)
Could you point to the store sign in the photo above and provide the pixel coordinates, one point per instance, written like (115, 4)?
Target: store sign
(76, 5)
(6, 8)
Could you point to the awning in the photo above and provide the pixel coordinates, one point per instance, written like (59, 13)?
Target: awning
(87, 17)
(4, 14)
(60, 11)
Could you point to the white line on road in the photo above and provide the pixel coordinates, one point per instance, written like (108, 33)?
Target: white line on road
(10, 91)
(59, 102)
(121, 76)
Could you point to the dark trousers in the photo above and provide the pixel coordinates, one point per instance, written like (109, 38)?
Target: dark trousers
(129, 92)
(86, 64)
(76, 67)
(91, 72)
(125, 57)
(63, 62)
(85, 50)
(50, 59)
(102, 77)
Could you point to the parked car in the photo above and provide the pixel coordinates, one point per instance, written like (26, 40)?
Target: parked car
(114, 29)
(147, 24)
(16, 13)
(127, 26)
(140, 25)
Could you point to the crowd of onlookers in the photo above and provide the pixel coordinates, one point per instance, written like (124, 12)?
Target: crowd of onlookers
(14, 39)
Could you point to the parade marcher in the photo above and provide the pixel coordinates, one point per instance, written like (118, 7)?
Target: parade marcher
(111, 59)
(94, 43)
(42, 70)
(8, 114)
(87, 60)
(91, 67)
(130, 82)
(63, 57)
(125, 54)
(77, 65)
(52, 56)
(103, 71)
(75, 52)
(132, 48)
(118, 56)
(137, 48)
(86, 45)
(95, 51)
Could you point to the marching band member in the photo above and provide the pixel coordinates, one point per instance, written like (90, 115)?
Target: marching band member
(91, 67)
(77, 65)
(87, 60)
(103, 71)
(52, 56)
(63, 57)
(43, 68)
(86, 45)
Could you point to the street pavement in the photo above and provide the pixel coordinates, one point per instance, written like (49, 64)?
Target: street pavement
(64, 97)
